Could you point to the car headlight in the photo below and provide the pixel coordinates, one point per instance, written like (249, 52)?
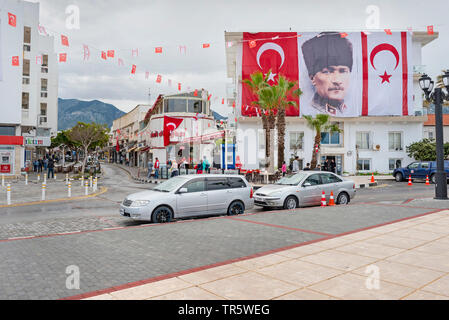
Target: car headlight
(140, 203)
(275, 194)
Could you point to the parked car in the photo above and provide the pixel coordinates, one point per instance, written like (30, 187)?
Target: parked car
(419, 170)
(190, 196)
(305, 189)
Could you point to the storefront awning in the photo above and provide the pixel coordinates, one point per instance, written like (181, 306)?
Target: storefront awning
(132, 149)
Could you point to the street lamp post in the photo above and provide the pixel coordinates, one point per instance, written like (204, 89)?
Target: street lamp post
(438, 97)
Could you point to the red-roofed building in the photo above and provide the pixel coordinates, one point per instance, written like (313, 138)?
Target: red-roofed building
(429, 127)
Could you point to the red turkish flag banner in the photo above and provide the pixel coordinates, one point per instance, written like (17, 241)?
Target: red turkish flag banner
(387, 74)
(158, 50)
(343, 34)
(12, 20)
(103, 55)
(206, 45)
(63, 57)
(117, 146)
(170, 125)
(195, 93)
(111, 53)
(179, 86)
(279, 55)
(133, 69)
(64, 41)
(222, 101)
(159, 78)
(15, 61)
(430, 30)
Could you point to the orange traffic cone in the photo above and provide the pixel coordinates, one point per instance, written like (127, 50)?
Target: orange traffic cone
(410, 180)
(427, 181)
(323, 200)
(372, 178)
(331, 200)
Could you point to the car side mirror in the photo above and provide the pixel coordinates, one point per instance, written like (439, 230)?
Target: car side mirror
(306, 184)
(183, 190)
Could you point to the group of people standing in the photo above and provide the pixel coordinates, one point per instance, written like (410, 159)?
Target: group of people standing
(46, 164)
(203, 166)
(328, 165)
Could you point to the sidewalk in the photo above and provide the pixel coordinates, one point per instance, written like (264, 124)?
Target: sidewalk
(32, 193)
(407, 260)
(140, 174)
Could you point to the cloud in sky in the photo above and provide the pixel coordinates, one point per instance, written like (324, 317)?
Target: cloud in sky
(146, 24)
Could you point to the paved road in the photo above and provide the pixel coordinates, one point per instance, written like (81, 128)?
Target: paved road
(35, 268)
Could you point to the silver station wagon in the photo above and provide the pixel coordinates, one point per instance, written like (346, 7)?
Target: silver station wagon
(305, 189)
(190, 196)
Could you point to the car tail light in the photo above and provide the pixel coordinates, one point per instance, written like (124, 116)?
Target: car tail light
(251, 194)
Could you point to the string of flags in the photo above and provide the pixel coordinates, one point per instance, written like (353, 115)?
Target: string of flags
(111, 54)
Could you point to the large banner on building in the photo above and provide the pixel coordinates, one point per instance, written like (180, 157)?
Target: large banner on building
(340, 74)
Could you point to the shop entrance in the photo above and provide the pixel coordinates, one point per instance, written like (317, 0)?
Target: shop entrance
(336, 160)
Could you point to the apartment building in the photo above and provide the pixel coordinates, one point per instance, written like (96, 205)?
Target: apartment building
(29, 88)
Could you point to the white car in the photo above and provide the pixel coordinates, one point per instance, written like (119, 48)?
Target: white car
(305, 189)
(190, 196)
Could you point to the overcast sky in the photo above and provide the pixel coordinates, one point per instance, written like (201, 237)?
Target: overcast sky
(146, 24)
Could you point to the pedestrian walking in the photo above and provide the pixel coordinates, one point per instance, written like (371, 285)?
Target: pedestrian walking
(36, 165)
(150, 168)
(41, 164)
(333, 165)
(206, 165)
(51, 167)
(199, 167)
(156, 169)
(46, 164)
(295, 167)
(284, 169)
(174, 168)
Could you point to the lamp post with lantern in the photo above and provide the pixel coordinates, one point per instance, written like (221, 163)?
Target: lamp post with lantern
(437, 96)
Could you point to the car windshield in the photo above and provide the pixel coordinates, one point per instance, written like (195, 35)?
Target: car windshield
(171, 185)
(292, 180)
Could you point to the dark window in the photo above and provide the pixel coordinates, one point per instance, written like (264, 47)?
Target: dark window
(195, 186)
(176, 105)
(327, 178)
(236, 183)
(7, 131)
(195, 106)
(217, 184)
(314, 180)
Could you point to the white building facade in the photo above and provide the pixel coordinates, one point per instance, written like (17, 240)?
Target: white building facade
(366, 144)
(29, 90)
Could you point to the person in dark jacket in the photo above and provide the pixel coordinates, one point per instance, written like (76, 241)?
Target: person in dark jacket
(40, 165)
(51, 168)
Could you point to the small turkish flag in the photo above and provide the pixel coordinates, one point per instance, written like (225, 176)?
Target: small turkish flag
(103, 55)
(12, 19)
(111, 53)
(195, 93)
(206, 45)
(147, 75)
(170, 125)
(429, 29)
(222, 101)
(388, 31)
(133, 69)
(343, 34)
(64, 41)
(233, 105)
(159, 78)
(179, 86)
(15, 61)
(208, 98)
(158, 50)
(252, 43)
(63, 57)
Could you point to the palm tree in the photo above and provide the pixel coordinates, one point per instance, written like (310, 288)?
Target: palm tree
(320, 123)
(285, 90)
(257, 83)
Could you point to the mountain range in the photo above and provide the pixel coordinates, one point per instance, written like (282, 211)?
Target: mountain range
(72, 111)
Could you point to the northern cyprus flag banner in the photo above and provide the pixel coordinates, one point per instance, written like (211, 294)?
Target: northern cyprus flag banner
(340, 74)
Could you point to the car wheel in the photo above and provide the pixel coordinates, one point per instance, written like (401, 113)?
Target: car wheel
(433, 178)
(290, 203)
(399, 177)
(236, 208)
(162, 214)
(343, 198)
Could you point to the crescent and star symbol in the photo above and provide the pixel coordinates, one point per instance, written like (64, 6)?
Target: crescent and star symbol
(271, 46)
(384, 47)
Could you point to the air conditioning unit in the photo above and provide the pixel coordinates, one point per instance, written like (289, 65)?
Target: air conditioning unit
(376, 147)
